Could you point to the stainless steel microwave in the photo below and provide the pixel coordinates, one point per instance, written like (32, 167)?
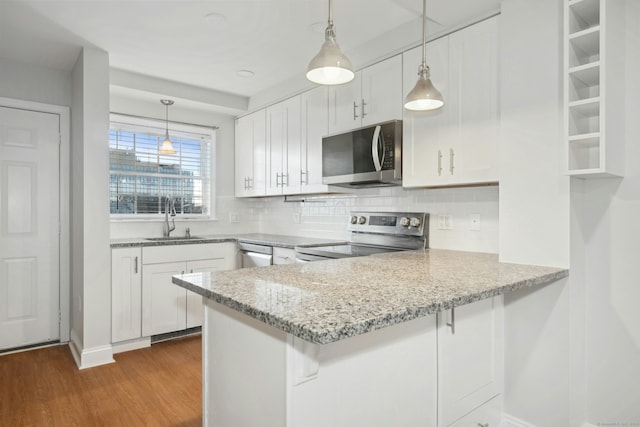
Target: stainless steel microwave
(367, 157)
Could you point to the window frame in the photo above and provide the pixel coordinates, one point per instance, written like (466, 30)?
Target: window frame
(151, 126)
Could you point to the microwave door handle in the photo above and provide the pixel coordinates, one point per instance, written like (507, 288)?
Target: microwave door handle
(374, 149)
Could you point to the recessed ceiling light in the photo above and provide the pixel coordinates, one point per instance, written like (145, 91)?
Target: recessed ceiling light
(318, 27)
(245, 73)
(215, 19)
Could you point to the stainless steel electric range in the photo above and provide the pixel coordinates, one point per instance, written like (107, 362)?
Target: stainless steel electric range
(373, 233)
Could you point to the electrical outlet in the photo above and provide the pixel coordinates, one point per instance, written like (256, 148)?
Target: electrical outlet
(474, 222)
(296, 217)
(445, 222)
(234, 217)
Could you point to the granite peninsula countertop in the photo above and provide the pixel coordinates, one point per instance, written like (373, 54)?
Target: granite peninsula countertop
(277, 240)
(327, 301)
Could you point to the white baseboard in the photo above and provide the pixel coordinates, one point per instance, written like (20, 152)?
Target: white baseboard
(88, 358)
(588, 425)
(511, 421)
(135, 344)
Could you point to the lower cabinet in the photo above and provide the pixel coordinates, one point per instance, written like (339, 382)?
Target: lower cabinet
(144, 300)
(470, 360)
(487, 415)
(126, 293)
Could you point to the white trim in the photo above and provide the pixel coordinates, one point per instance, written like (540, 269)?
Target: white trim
(135, 344)
(588, 425)
(89, 358)
(511, 421)
(65, 203)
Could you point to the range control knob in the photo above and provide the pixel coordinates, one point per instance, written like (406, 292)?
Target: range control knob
(353, 219)
(405, 222)
(416, 222)
(362, 220)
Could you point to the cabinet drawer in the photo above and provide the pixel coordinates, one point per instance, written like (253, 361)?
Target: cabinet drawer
(178, 253)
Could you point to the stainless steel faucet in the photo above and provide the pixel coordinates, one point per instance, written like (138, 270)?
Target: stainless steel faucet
(169, 205)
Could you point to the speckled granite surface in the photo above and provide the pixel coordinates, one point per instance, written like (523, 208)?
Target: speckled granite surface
(327, 301)
(257, 238)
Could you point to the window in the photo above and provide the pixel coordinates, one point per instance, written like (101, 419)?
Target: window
(141, 179)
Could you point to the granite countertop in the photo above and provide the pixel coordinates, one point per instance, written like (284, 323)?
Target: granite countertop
(327, 301)
(277, 240)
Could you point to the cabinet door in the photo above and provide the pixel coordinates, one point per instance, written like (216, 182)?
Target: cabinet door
(258, 183)
(194, 301)
(470, 361)
(283, 147)
(382, 98)
(315, 125)
(126, 294)
(344, 106)
(473, 103)
(164, 304)
(426, 133)
(244, 155)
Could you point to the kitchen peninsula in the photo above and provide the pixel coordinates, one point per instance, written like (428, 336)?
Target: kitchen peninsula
(346, 342)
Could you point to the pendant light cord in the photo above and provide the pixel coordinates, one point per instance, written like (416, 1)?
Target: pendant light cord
(330, 13)
(424, 33)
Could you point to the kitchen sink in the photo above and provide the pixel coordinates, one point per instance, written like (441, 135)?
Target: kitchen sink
(173, 238)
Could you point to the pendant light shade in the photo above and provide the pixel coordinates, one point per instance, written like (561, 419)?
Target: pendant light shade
(330, 66)
(424, 96)
(167, 146)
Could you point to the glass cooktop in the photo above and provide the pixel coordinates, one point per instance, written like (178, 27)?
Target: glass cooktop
(345, 250)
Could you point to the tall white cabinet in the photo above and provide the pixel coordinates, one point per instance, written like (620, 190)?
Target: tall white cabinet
(283, 147)
(314, 125)
(594, 95)
(457, 144)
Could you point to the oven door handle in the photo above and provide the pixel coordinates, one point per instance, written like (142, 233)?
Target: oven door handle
(375, 153)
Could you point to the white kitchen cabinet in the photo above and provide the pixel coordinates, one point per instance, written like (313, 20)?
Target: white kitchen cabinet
(374, 96)
(470, 358)
(315, 125)
(457, 144)
(594, 97)
(283, 147)
(250, 152)
(126, 294)
(283, 256)
(167, 307)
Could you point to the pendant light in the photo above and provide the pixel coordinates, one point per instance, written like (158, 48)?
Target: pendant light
(424, 95)
(167, 145)
(330, 66)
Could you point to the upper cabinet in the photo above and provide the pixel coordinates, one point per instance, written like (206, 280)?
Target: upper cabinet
(374, 96)
(283, 147)
(315, 125)
(457, 144)
(250, 162)
(594, 95)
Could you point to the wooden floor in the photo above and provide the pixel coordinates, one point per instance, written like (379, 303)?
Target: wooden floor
(156, 386)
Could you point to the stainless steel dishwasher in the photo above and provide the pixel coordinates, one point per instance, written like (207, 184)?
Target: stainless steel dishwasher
(253, 255)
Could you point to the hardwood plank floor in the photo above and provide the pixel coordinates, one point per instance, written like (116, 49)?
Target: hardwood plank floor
(156, 386)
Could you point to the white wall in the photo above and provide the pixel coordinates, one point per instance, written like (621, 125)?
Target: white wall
(30, 83)
(610, 227)
(534, 211)
(91, 265)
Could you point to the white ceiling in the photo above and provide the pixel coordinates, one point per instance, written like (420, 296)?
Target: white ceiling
(173, 40)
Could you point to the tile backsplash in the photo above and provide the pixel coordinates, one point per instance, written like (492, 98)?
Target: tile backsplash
(470, 219)
(472, 214)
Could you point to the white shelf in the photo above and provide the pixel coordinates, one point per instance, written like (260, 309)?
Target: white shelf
(594, 32)
(583, 14)
(584, 47)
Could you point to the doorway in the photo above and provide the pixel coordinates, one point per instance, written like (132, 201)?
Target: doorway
(33, 303)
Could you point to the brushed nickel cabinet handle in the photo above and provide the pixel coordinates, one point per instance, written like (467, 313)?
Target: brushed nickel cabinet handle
(451, 160)
(355, 114)
(452, 324)
(439, 163)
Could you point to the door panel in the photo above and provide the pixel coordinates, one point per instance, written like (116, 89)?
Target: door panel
(194, 301)
(29, 227)
(163, 303)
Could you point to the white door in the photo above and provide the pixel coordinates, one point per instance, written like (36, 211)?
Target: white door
(29, 227)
